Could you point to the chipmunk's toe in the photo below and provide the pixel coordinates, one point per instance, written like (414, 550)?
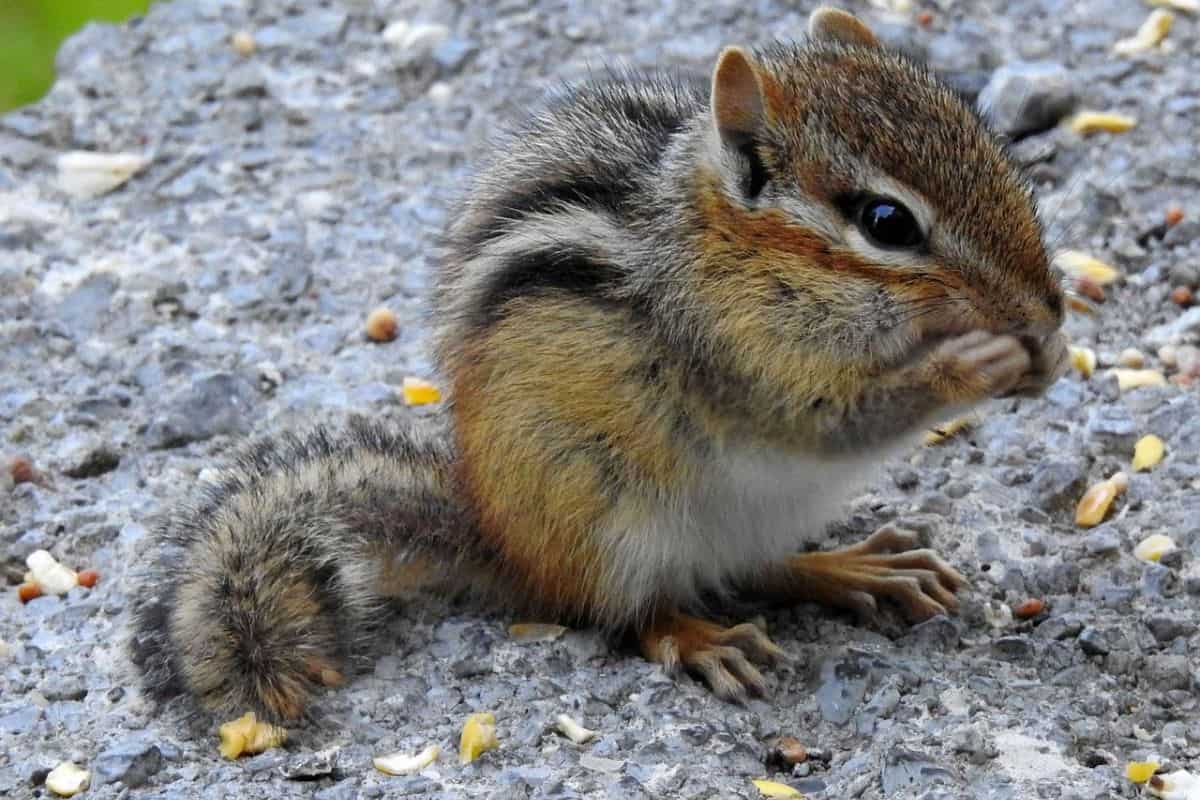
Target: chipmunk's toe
(720, 656)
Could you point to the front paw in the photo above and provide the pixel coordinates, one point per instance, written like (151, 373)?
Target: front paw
(1050, 360)
(976, 366)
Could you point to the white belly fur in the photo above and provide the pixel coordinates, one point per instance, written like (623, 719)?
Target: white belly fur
(748, 509)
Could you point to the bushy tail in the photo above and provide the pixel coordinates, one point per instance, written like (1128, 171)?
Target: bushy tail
(273, 582)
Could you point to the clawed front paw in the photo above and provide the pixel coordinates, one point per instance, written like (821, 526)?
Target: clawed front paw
(721, 656)
(978, 365)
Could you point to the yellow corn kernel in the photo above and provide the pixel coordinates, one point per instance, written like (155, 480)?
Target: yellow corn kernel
(1086, 122)
(246, 735)
(1140, 771)
(773, 789)
(1147, 452)
(1083, 359)
(1080, 265)
(1153, 547)
(418, 392)
(949, 430)
(1186, 6)
(1094, 504)
(478, 736)
(1149, 35)
(535, 632)
(1137, 378)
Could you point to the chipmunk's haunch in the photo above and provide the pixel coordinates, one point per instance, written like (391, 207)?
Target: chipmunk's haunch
(682, 322)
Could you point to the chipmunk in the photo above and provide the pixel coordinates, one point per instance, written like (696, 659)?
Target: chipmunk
(679, 324)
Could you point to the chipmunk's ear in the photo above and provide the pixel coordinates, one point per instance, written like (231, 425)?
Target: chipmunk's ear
(737, 98)
(834, 25)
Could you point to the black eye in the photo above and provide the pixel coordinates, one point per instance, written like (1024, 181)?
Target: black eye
(887, 223)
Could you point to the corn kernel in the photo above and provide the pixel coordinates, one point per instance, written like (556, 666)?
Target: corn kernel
(1153, 547)
(1083, 359)
(1147, 453)
(68, 780)
(535, 632)
(418, 392)
(1140, 771)
(773, 789)
(1149, 35)
(478, 736)
(403, 764)
(949, 430)
(573, 730)
(1186, 6)
(381, 325)
(1128, 379)
(1080, 265)
(246, 735)
(1178, 785)
(1094, 504)
(1087, 122)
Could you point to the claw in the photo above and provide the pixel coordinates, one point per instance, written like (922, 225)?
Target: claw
(721, 656)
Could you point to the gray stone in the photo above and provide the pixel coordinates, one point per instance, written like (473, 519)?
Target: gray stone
(20, 721)
(1013, 648)
(906, 772)
(1167, 626)
(1167, 671)
(1101, 542)
(1057, 484)
(132, 761)
(1028, 97)
(843, 684)
(86, 307)
(1184, 329)
(1113, 428)
(217, 403)
(307, 766)
(1093, 642)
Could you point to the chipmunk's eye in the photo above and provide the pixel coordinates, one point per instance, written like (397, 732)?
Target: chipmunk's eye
(887, 223)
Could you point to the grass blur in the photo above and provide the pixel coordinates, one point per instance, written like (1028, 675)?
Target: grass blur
(32, 30)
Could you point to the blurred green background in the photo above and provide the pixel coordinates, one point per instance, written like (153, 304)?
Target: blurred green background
(30, 33)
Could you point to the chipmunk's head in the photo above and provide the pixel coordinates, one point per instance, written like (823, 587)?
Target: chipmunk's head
(862, 205)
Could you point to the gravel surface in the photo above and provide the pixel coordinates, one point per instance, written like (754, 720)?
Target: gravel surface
(222, 292)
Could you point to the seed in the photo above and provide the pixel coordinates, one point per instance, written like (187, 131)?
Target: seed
(1167, 354)
(1181, 296)
(404, 764)
(1137, 378)
(1153, 547)
(535, 632)
(418, 392)
(1177, 785)
(1094, 504)
(243, 43)
(28, 591)
(478, 736)
(1147, 453)
(1148, 36)
(573, 730)
(67, 780)
(1080, 265)
(84, 174)
(1132, 358)
(788, 751)
(381, 325)
(1083, 359)
(1173, 217)
(1186, 6)
(950, 429)
(925, 18)
(773, 789)
(87, 579)
(1089, 122)
(22, 471)
(1140, 771)
(51, 576)
(246, 735)
(1090, 289)
(1029, 608)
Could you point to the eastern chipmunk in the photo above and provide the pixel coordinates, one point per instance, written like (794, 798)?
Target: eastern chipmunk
(680, 323)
